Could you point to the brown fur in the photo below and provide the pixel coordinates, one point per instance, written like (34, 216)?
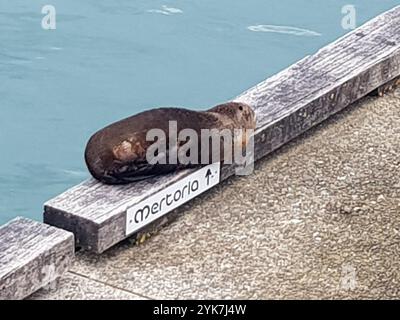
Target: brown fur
(117, 153)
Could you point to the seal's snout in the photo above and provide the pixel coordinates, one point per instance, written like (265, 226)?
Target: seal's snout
(244, 115)
(248, 116)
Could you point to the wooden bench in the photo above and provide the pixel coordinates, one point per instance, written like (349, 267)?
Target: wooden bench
(32, 255)
(286, 105)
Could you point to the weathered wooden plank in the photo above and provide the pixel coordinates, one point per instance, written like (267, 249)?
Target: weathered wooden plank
(286, 105)
(32, 255)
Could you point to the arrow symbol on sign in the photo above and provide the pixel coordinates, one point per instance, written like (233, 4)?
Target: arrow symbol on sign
(208, 175)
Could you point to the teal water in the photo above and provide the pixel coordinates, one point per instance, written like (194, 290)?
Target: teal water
(110, 59)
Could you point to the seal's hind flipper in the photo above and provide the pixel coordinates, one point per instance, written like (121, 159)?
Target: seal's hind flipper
(136, 171)
(121, 179)
(126, 180)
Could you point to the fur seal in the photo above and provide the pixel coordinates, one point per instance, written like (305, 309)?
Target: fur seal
(117, 153)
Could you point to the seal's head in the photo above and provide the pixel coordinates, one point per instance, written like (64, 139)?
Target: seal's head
(237, 115)
(241, 114)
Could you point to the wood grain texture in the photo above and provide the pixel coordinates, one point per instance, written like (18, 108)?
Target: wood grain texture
(32, 255)
(286, 105)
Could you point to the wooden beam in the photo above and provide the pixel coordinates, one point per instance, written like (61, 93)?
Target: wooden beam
(286, 105)
(32, 255)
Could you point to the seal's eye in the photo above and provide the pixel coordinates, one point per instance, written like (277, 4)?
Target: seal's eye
(240, 108)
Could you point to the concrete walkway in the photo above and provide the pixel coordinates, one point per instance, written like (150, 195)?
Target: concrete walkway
(320, 218)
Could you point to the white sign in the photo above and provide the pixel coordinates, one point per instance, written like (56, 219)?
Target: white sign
(172, 197)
